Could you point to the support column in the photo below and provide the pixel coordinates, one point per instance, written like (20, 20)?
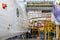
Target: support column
(44, 33)
(56, 32)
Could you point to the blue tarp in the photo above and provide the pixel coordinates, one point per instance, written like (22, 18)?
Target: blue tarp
(57, 12)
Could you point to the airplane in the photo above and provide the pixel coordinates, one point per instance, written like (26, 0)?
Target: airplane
(13, 19)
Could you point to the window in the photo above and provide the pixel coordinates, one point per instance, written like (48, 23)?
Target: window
(46, 11)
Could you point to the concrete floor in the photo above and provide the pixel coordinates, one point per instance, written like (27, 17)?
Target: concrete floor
(31, 39)
(24, 39)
